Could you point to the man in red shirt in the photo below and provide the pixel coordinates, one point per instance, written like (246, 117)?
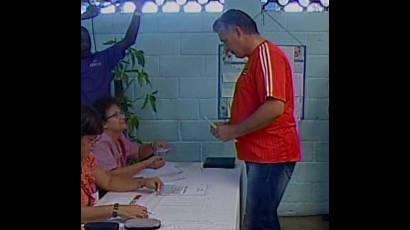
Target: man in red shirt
(262, 118)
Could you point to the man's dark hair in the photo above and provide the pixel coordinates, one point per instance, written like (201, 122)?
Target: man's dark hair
(91, 123)
(104, 103)
(231, 18)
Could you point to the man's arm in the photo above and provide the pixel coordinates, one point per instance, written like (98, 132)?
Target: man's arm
(133, 28)
(262, 117)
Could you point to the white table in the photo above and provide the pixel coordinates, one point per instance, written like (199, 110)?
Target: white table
(218, 209)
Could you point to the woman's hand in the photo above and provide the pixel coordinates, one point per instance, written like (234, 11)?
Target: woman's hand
(160, 145)
(132, 211)
(155, 162)
(153, 182)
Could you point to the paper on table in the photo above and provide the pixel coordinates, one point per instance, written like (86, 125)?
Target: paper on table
(184, 190)
(167, 170)
(173, 178)
(116, 197)
(186, 206)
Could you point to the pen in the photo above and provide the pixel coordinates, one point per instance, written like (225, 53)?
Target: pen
(134, 201)
(210, 122)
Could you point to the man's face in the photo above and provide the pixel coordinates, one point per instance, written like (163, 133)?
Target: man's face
(232, 43)
(85, 43)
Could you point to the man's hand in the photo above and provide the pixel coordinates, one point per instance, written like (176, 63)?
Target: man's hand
(224, 131)
(132, 31)
(92, 9)
(138, 5)
(91, 12)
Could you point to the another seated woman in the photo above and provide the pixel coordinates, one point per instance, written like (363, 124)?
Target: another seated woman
(93, 176)
(114, 152)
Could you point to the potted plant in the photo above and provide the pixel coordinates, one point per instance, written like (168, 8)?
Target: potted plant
(127, 71)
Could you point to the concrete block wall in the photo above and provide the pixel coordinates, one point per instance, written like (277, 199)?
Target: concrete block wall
(181, 58)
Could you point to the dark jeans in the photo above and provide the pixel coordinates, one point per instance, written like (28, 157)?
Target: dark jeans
(265, 188)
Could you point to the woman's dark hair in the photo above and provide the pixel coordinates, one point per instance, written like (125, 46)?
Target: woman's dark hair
(91, 123)
(104, 103)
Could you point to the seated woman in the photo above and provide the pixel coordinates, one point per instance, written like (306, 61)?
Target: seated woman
(114, 152)
(93, 176)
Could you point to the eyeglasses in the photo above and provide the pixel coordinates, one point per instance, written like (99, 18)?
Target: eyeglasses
(116, 114)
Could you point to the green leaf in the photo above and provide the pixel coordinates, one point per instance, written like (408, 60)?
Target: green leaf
(116, 73)
(121, 65)
(139, 141)
(140, 57)
(148, 82)
(132, 49)
(140, 79)
(132, 56)
(132, 137)
(110, 42)
(146, 77)
(127, 104)
(132, 71)
(152, 100)
(129, 83)
(137, 123)
(145, 101)
(133, 122)
(124, 77)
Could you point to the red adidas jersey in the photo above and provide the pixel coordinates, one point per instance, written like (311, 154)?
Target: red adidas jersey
(267, 74)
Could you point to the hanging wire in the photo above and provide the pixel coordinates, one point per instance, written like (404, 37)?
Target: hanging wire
(262, 13)
(92, 29)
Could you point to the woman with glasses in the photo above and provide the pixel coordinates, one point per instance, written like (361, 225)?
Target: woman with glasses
(114, 152)
(93, 176)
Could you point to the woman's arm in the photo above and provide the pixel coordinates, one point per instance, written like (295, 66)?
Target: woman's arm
(120, 183)
(105, 212)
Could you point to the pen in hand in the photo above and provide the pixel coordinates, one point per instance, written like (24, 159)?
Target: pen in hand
(210, 122)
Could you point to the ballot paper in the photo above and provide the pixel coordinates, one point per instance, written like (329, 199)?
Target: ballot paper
(183, 190)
